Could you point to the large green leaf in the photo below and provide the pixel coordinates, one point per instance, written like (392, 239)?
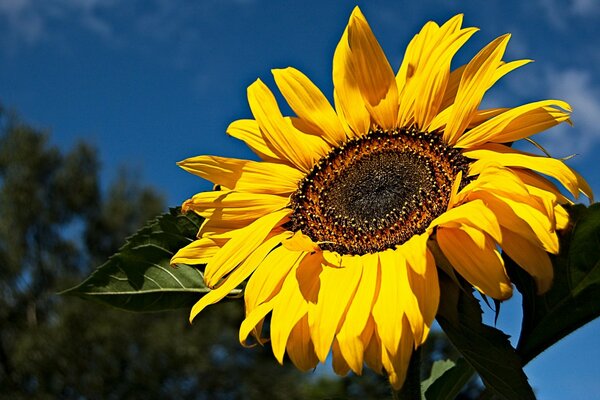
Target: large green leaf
(574, 297)
(486, 349)
(447, 379)
(139, 278)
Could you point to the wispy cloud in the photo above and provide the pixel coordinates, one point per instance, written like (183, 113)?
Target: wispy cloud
(558, 12)
(27, 22)
(576, 87)
(585, 7)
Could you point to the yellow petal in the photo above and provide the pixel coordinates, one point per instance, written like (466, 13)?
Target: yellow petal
(248, 131)
(562, 217)
(349, 337)
(474, 214)
(300, 242)
(394, 299)
(337, 286)
(426, 290)
(197, 252)
(519, 220)
(300, 348)
(244, 175)
(267, 279)
(349, 102)
(240, 207)
(510, 157)
(452, 87)
(396, 363)
(373, 73)
(255, 319)
(238, 275)
(415, 250)
(537, 184)
(309, 103)
(456, 77)
(292, 304)
(435, 74)
(373, 349)
(474, 83)
(530, 257)
(584, 187)
(417, 50)
(287, 142)
(238, 248)
(340, 366)
(516, 123)
(482, 267)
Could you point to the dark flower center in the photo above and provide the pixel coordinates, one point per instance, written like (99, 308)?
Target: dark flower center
(376, 192)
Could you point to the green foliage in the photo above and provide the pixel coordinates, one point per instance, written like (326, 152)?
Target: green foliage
(573, 299)
(139, 277)
(487, 349)
(447, 379)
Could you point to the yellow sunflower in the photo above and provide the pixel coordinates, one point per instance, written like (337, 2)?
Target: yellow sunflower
(334, 229)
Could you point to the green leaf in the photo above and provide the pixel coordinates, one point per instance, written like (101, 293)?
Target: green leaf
(573, 299)
(485, 348)
(139, 278)
(447, 379)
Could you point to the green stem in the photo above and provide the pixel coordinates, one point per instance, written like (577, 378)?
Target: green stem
(411, 390)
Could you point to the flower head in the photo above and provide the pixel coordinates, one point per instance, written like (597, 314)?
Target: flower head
(333, 229)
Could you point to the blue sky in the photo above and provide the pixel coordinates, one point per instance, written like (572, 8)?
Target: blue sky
(153, 82)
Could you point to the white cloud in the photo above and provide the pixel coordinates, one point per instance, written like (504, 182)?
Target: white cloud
(585, 7)
(558, 12)
(28, 21)
(577, 88)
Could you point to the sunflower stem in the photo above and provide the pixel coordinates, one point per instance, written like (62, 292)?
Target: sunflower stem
(411, 390)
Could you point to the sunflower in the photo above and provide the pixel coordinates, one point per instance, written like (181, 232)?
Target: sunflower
(336, 228)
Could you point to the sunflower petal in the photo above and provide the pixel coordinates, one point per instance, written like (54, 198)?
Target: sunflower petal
(415, 250)
(516, 123)
(510, 157)
(239, 207)
(197, 252)
(373, 72)
(349, 337)
(474, 214)
(337, 286)
(238, 248)
(396, 362)
(475, 81)
(309, 103)
(530, 257)
(340, 366)
(349, 102)
(248, 131)
(267, 279)
(300, 286)
(287, 142)
(482, 267)
(238, 275)
(426, 290)
(300, 348)
(244, 175)
(435, 74)
(253, 321)
(394, 300)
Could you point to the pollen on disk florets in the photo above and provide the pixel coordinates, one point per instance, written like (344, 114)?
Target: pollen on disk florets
(375, 192)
